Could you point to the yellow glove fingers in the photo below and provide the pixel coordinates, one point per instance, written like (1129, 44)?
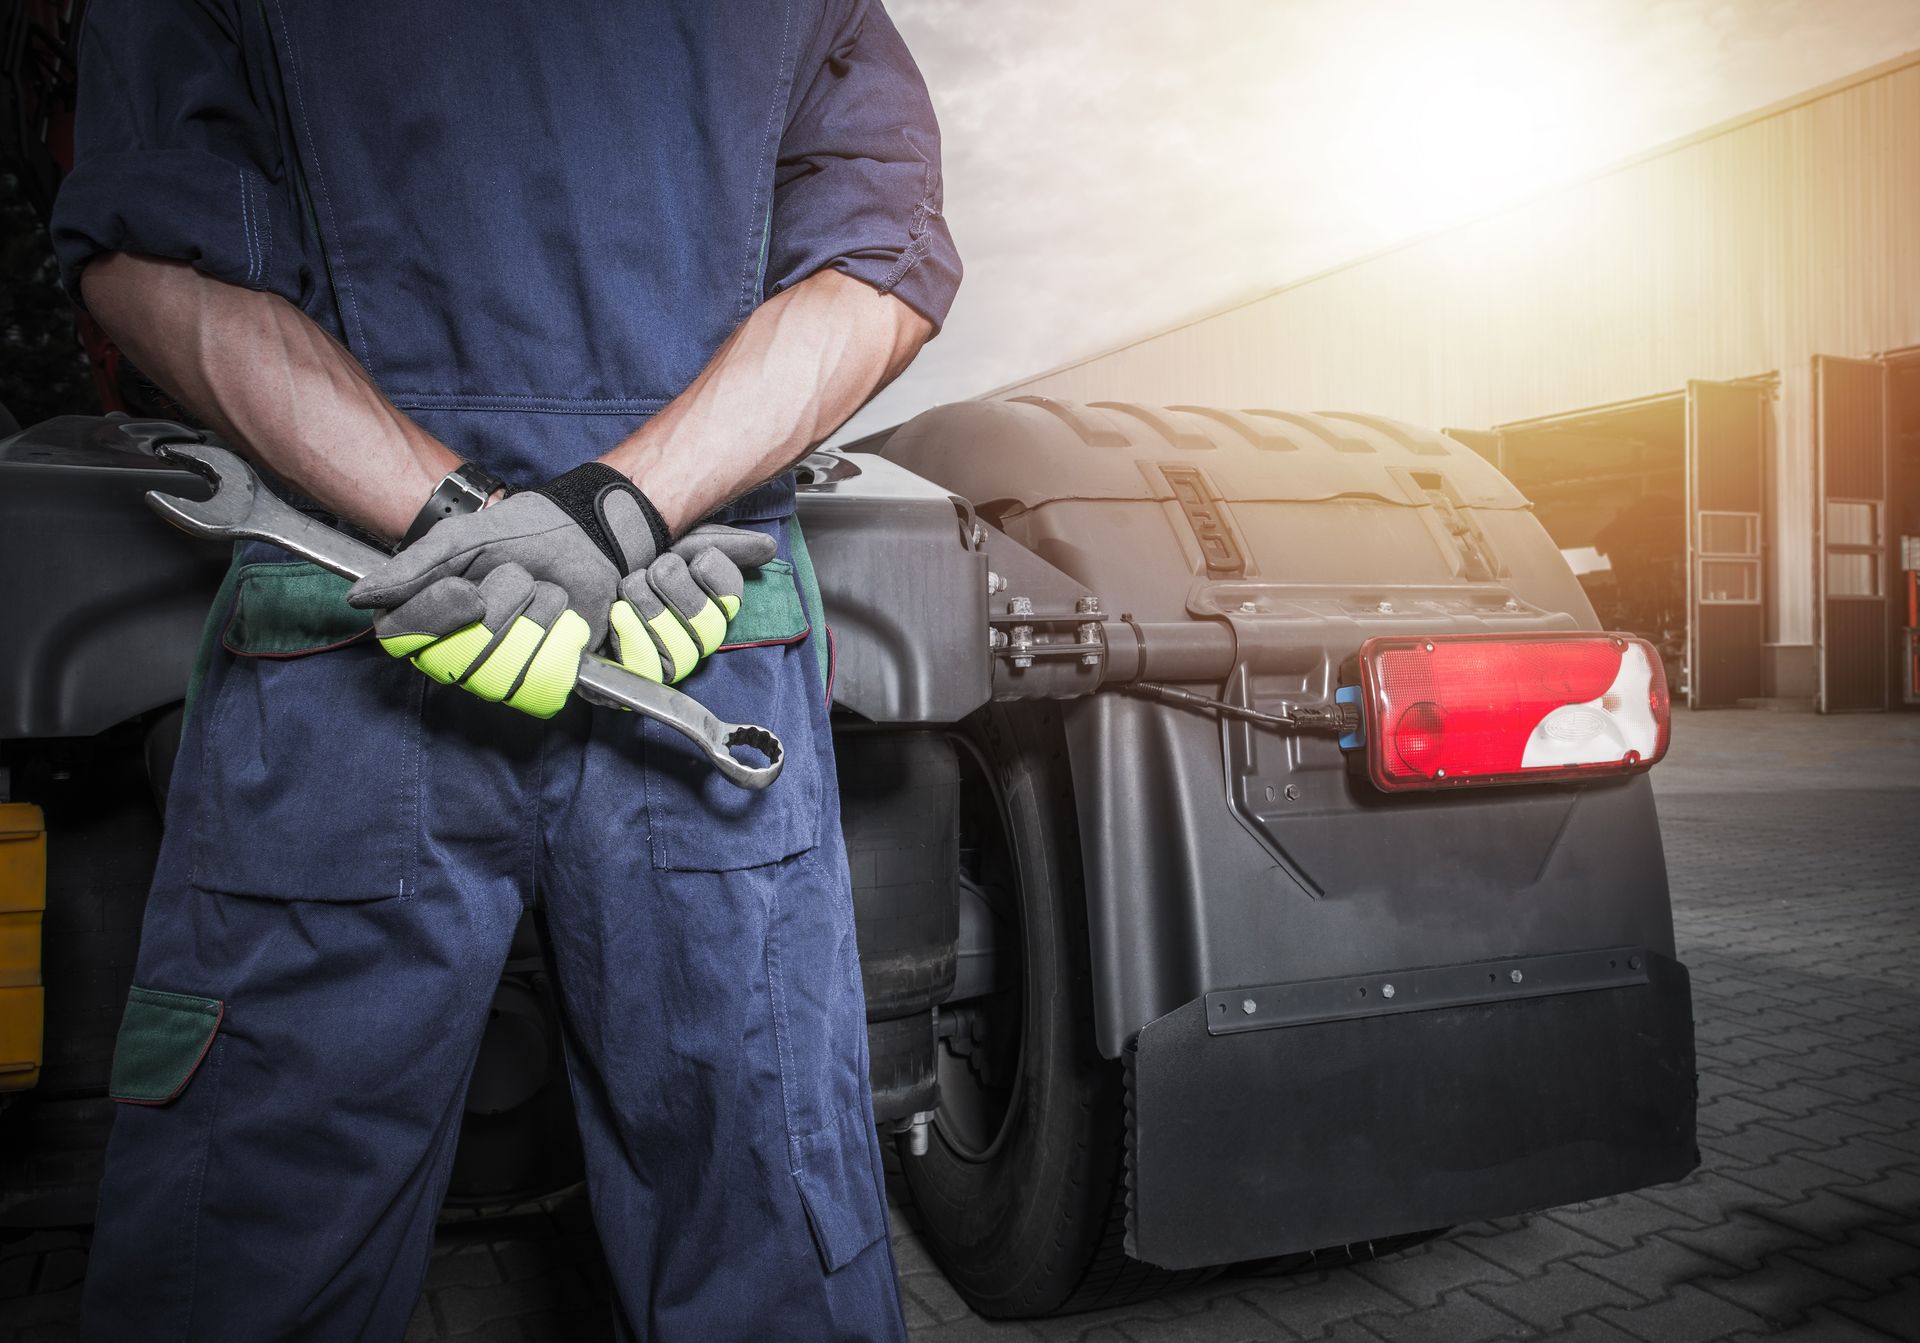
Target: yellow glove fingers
(554, 668)
(632, 645)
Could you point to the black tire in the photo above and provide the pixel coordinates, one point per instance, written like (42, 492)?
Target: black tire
(1032, 1222)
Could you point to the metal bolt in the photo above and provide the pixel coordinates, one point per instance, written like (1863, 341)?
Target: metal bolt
(1385, 608)
(1249, 608)
(1386, 991)
(917, 1133)
(979, 533)
(1515, 976)
(995, 583)
(1512, 605)
(1246, 1006)
(1020, 606)
(1633, 962)
(996, 638)
(1089, 634)
(1429, 645)
(1023, 638)
(1088, 605)
(1293, 792)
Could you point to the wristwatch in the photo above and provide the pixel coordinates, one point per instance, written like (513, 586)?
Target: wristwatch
(465, 489)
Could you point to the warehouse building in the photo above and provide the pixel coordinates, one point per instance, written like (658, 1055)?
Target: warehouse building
(1703, 366)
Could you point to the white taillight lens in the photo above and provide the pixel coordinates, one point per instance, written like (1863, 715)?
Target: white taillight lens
(1458, 710)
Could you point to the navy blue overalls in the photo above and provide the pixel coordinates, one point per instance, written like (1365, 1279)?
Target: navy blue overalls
(532, 223)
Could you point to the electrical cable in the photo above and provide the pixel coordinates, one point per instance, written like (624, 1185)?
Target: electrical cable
(1340, 718)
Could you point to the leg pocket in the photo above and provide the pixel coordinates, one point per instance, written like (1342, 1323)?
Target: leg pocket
(834, 1172)
(700, 822)
(163, 1038)
(309, 777)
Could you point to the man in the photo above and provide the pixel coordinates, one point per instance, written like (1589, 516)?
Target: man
(631, 260)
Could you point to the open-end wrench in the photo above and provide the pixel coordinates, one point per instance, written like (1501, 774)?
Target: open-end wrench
(243, 509)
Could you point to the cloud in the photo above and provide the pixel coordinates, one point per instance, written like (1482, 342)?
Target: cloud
(1116, 166)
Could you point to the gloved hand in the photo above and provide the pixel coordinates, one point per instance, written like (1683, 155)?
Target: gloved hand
(503, 601)
(674, 611)
(508, 637)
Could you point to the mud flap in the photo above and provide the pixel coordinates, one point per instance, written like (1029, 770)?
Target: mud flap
(1295, 1137)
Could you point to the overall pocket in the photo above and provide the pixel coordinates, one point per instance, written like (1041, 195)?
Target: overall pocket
(162, 1041)
(697, 820)
(309, 779)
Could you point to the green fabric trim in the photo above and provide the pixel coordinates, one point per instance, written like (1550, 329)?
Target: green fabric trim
(163, 1037)
(284, 609)
(810, 590)
(770, 610)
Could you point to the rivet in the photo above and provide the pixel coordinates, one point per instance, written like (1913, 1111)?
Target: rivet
(1386, 991)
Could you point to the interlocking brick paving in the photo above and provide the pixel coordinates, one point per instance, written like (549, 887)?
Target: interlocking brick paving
(1793, 844)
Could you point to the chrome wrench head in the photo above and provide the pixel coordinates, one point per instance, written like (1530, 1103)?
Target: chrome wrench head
(236, 493)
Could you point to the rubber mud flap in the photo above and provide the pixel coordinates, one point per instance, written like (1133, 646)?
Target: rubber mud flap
(163, 1038)
(1284, 1139)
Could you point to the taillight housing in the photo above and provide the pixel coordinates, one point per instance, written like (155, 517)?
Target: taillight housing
(1453, 711)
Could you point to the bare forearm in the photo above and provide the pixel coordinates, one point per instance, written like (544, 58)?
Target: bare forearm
(792, 373)
(262, 374)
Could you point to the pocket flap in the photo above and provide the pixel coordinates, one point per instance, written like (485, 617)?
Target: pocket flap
(285, 610)
(837, 1183)
(770, 609)
(163, 1038)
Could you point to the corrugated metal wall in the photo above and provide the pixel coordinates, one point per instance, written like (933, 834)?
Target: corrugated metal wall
(1740, 252)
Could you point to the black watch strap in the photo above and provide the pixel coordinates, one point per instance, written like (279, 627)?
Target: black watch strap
(465, 489)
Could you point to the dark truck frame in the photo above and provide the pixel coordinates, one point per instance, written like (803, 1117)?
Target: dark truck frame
(1124, 960)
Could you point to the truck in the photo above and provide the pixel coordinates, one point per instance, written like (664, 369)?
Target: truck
(1253, 851)
(1254, 857)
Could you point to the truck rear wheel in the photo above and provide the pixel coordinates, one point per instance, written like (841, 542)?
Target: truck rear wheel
(1022, 1190)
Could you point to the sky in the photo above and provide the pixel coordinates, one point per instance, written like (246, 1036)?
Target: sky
(1116, 166)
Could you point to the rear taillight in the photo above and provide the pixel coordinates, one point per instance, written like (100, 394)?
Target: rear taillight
(1460, 710)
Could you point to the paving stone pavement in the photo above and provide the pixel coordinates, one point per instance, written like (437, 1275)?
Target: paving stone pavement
(1793, 844)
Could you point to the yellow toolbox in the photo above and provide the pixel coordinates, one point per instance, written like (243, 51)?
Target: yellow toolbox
(23, 899)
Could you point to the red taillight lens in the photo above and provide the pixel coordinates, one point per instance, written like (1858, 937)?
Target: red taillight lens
(1477, 709)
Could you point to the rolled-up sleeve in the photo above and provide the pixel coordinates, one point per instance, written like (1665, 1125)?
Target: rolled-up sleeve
(858, 185)
(176, 151)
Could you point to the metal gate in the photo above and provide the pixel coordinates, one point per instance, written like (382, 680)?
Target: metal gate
(1851, 551)
(1726, 623)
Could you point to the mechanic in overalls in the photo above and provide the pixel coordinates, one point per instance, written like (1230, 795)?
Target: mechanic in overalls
(553, 295)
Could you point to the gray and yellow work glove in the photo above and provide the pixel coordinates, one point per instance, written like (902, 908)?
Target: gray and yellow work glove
(563, 550)
(675, 610)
